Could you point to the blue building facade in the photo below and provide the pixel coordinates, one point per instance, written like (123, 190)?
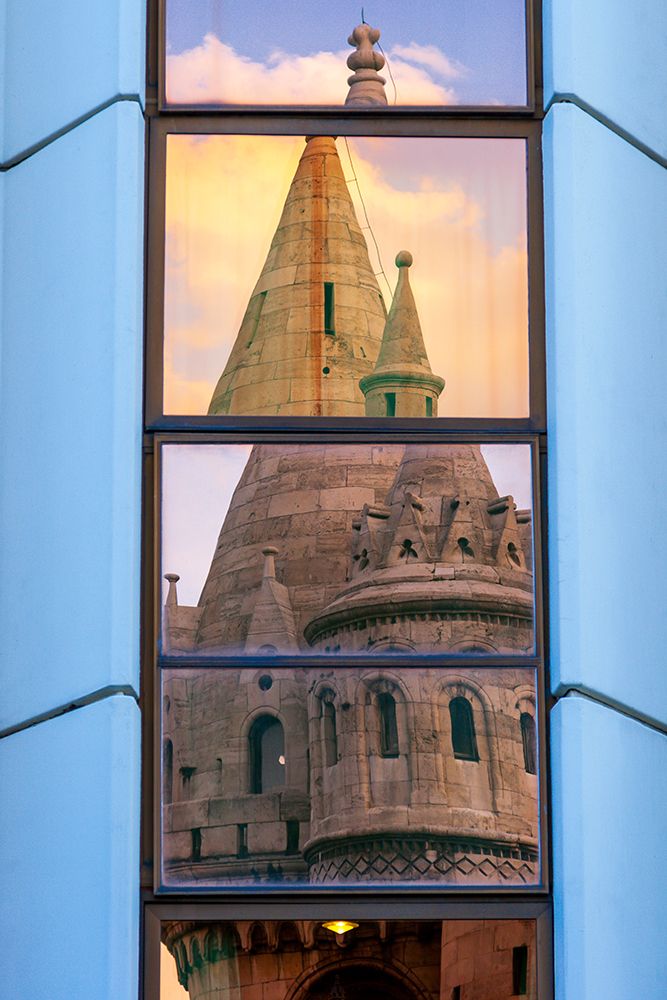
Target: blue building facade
(72, 191)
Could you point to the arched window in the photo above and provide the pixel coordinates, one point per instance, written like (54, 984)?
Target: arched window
(168, 773)
(267, 754)
(529, 742)
(329, 735)
(388, 728)
(464, 743)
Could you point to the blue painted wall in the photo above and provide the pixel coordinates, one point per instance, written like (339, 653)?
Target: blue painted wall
(605, 185)
(71, 293)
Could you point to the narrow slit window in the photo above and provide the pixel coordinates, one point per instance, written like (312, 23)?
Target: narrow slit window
(292, 832)
(429, 406)
(168, 774)
(520, 970)
(242, 840)
(388, 727)
(529, 742)
(329, 309)
(196, 844)
(390, 403)
(329, 731)
(464, 742)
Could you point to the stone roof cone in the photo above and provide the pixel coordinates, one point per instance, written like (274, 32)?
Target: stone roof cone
(402, 370)
(314, 321)
(300, 499)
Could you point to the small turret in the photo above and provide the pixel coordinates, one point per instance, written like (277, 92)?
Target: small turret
(403, 383)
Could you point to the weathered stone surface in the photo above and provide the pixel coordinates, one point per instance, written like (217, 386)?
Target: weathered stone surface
(342, 790)
(271, 960)
(318, 241)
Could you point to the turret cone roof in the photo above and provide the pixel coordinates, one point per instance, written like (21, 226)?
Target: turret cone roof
(290, 357)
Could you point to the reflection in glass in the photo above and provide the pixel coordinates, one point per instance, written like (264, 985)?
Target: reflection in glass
(349, 776)
(281, 294)
(374, 960)
(267, 754)
(422, 53)
(347, 549)
(464, 743)
(529, 742)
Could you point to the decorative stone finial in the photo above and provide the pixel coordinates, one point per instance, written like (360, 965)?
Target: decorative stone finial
(269, 552)
(404, 258)
(172, 593)
(366, 84)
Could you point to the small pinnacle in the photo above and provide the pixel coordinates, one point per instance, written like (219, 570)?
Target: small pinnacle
(172, 595)
(269, 552)
(404, 258)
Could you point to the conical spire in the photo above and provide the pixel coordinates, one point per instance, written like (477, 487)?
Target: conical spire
(366, 84)
(314, 321)
(403, 383)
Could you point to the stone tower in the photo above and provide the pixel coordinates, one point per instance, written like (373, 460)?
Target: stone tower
(358, 549)
(402, 383)
(314, 321)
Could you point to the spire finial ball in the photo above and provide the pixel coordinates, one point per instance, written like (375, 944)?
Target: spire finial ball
(404, 259)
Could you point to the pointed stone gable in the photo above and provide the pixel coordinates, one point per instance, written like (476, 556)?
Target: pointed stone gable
(442, 567)
(272, 627)
(314, 321)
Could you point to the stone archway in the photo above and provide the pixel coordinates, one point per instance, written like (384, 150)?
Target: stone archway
(358, 982)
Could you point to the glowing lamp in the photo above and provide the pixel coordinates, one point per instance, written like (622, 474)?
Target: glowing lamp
(340, 926)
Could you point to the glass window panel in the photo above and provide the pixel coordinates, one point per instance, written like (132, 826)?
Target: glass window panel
(372, 960)
(376, 797)
(348, 549)
(282, 261)
(252, 52)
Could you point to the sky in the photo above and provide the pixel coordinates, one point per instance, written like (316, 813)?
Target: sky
(444, 52)
(199, 480)
(458, 205)
(170, 988)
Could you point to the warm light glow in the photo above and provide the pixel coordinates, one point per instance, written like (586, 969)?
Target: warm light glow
(458, 205)
(339, 926)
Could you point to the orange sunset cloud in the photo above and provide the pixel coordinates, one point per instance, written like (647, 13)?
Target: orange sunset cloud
(463, 221)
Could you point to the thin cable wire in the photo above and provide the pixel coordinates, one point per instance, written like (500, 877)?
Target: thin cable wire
(391, 75)
(368, 222)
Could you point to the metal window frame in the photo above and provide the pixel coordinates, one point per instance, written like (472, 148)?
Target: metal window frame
(533, 63)
(159, 663)
(453, 121)
(155, 913)
(430, 126)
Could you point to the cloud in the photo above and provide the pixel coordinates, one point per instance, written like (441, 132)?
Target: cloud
(432, 57)
(214, 73)
(224, 199)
